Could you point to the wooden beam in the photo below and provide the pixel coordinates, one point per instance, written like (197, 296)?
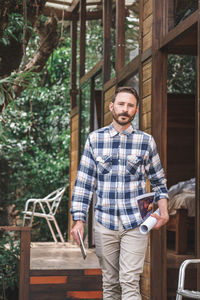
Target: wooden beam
(110, 83)
(82, 36)
(67, 3)
(198, 152)
(120, 35)
(60, 14)
(92, 72)
(107, 19)
(159, 131)
(74, 5)
(129, 70)
(63, 14)
(146, 54)
(175, 33)
(73, 89)
(60, 2)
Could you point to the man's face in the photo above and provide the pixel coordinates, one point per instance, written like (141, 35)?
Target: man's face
(124, 108)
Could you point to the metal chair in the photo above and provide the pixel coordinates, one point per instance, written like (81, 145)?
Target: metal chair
(181, 292)
(45, 208)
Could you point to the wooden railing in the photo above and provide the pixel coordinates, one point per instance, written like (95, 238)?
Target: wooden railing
(24, 279)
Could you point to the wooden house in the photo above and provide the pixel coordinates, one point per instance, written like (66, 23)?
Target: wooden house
(138, 38)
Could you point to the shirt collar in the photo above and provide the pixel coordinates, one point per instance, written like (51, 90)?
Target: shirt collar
(114, 132)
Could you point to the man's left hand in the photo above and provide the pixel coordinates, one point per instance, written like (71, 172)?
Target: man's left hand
(163, 218)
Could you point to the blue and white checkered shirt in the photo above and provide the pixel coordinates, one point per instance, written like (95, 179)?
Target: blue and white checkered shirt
(116, 165)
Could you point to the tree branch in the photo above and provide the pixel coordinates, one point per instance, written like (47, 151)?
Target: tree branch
(48, 42)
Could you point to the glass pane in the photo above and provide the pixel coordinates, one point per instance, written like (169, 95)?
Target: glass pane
(131, 30)
(85, 113)
(94, 43)
(179, 10)
(184, 8)
(181, 74)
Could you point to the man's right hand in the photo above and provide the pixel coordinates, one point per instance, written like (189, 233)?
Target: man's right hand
(79, 225)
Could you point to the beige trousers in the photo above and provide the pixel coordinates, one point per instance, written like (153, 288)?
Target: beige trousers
(121, 256)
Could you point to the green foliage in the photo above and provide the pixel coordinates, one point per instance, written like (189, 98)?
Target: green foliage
(181, 74)
(14, 29)
(9, 258)
(35, 137)
(23, 79)
(94, 43)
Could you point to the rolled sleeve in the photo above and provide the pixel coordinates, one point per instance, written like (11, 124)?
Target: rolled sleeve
(155, 173)
(84, 185)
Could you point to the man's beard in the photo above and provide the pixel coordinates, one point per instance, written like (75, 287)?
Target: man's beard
(122, 123)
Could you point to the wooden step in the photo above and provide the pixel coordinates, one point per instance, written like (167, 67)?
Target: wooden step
(65, 284)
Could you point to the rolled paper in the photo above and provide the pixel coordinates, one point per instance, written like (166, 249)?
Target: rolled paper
(149, 223)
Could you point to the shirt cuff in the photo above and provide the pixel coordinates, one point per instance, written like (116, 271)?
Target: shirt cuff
(160, 196)
(79, 216)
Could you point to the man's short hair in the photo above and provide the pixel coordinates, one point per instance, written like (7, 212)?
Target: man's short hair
(126, 89)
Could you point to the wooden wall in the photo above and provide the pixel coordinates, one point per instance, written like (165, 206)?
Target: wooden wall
(147, 20)
(145, 103)
(74, 160)
(107, 98)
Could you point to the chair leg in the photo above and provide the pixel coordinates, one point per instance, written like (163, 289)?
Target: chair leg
(24, 218)
(24, 221)
(178, 297)
(58, 229)
(51, 229)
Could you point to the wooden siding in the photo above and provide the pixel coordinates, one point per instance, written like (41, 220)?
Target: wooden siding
(145, 103)
(147, 25)
(65, 284)
(107, 98)
(74, 160)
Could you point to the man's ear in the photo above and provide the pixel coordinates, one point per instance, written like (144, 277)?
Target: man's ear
(137, 109)
(111, 106)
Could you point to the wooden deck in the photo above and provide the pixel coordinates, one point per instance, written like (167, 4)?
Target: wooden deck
(59, 256)
(58, 272)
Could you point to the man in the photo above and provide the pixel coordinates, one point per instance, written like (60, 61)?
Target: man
(115, 163)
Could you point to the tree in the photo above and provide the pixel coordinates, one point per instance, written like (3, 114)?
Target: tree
(27, 40)
(35, 136)
(19, 20)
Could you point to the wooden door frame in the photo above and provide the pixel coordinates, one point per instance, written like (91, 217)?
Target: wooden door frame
(198, 152)
(159, 116)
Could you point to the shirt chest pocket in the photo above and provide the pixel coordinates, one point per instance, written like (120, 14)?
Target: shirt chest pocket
(134, 165)
(104, 164)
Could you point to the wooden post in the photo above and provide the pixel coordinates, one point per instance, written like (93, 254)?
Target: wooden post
(82, 36)
(24, 278)
(159, 131)
(73, 90)
(107, 23)
(120, 35)
(198, 153)
(24, 285)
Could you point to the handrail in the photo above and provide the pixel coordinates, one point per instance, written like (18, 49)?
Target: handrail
(24, 279)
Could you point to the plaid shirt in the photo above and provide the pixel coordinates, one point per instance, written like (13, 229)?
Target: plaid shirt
(116, 165)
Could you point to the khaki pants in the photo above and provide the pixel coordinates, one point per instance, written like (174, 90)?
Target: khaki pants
(121, 255)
